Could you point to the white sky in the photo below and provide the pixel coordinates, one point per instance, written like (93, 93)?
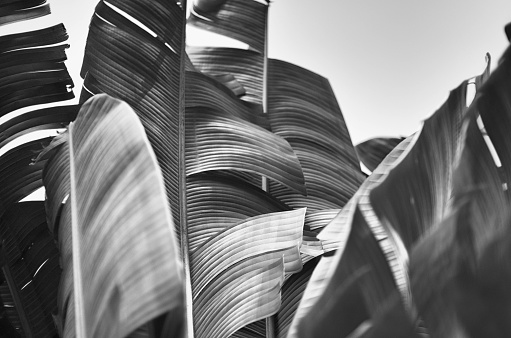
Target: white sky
(391, 63)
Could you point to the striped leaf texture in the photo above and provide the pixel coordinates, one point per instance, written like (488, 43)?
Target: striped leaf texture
(30, 266)
(238, 273)
(218, 194)
(32, 73)
(239, 19)
(116, 47)
(124, 209)
(303, 110)
(21, 10)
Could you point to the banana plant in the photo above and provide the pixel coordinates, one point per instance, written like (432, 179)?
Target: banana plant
(215, 192)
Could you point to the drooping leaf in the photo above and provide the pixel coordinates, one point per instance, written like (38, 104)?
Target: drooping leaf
(111, 161)
(373, 151)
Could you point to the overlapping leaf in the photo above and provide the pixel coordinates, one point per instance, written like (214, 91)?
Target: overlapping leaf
(418, 174)
(30, 74)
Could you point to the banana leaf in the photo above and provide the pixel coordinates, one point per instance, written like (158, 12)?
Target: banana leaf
(419, 172)
(31, 267)
(23, 10)
(204, 91)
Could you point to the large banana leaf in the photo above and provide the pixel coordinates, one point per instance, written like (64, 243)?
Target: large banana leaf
(31, 268)
(420, 170)
(127, 62)
(12, 11)
(243, 20)
(237, 274)
(117, 202)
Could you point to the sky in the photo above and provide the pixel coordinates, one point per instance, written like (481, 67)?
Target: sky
(391, 63)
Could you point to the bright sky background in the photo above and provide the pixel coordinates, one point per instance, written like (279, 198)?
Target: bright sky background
(391, 63)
